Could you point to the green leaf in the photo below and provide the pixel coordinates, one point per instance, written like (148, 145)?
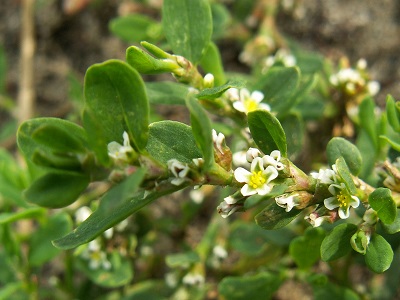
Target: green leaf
(379, 254)
(183, 260)
(367, 119)
(395, 145)
(41, 249)
(48, 135)
(116, 205)
(166, 92)
(368, 154)
(382, 202)
(57, 189)
(338, 147)
(278, 85)
(120, 274)
(344, 172)
(305, 250)
(202, 131)
(331, 291)
(293, 127)
(116, 97)
(394, 227)
(221, 18)
(29, 213)
(260, 286)
(217, 91)
(169, 140)
(337, 243)
(187, 26)
(275, 217)
(135, 28)
(211, 62)
(393, 114)
(144, 63)
(267, 132)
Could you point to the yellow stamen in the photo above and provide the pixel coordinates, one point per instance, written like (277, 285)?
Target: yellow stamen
(250, 105)
(257, 180)
(343, 199)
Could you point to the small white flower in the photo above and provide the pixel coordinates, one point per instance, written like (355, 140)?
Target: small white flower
(273, 160)
(315, 220)
(193, 279)
(82, 214)
(325, 176)
(250, 102)
(97, 258)
(341, 199)
(220, 252)
(197, 196)
(252, 153)
(239, 159)
(361, 64)
(118, 151)
(208, 80)
(232, 94)
(179, 170)
(258, 179)
(225, 209)
(373, 87)
(287, 201)
(218, 140)
(108, 233)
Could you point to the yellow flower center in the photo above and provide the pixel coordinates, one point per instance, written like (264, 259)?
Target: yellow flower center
(95, 256)
(343, 199)
(257, 180)
(250, 105)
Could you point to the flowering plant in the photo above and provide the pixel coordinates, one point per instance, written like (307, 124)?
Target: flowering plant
(118, 161)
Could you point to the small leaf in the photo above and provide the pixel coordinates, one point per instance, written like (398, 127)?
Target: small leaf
(367, 119)
(41, 249)
(183, 260)
(120, 274)
(202, 131)
(212, 63)
(169, 140)
(305, 250)
(135, 28)
(187, 26)
(217, 91)
(337, 243)
(29, 213)
(116, 97)
(166, 92)
(394, 227)
(57, 189)
(393, 114)
(344, 172)
(275, 217)
(395, 145)
(267, 132)
(338, 147)
(379, 254)
(260, 286)
(382, 202)
(293, 127)
(278, 85)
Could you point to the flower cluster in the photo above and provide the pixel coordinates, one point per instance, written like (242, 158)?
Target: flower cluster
(355, 81)
(282, 57)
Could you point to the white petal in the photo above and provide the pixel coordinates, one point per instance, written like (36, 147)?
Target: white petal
(276, 154)
(244, 94)
(264, 189)
(126, 139)
(355, 202)
(344, 214)
(271, 173)
(257, 96)
(242, 175)
(331, 203)
(246, 190)
(264, 106)
(230, 200)
(257, 164)
(239, 106)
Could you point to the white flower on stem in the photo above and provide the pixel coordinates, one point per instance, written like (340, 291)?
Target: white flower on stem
(193, 279)
(208, 80)
(258, 179)
(273, 160)
(250, 102)
(179, 170)
(218, 140)
(118, 151)
(325, 176)
(341, 199)
(287, 201)
(252, 153)
(316, 220)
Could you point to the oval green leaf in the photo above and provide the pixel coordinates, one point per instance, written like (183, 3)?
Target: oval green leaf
(344, 172)
(393, 115)
(338, 147)
(382, 202)
(117, 99)
(394, 227)
(187, 26)
(267, 132)
(337, 243)
(212, 63)
(379, 254)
